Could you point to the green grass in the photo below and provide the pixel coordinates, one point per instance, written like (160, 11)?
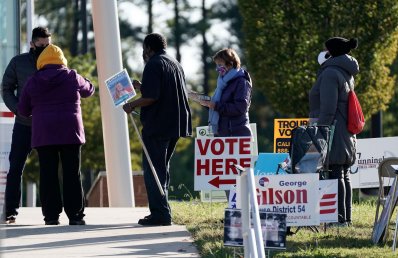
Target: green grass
(203, 220)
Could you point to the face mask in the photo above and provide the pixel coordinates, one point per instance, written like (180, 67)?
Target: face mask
(221, 69)
(38, 51)
(323, 56)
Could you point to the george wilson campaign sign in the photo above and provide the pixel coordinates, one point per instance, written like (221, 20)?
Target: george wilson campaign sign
(297, 195)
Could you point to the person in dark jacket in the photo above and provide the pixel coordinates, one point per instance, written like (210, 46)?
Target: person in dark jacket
(15, 76)
(52, 97)
(165, 117)
(328, 100)
(229, 106)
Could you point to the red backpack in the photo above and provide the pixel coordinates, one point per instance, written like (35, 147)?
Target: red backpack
(355, 118)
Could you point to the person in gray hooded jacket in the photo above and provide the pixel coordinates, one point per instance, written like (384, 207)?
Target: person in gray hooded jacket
(328, 100)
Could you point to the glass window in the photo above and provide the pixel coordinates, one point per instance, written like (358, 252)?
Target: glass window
(9, 33)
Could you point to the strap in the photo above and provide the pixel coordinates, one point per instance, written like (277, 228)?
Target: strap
(344, 73)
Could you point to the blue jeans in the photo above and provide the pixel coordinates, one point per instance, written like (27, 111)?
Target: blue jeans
(160, 150)
(20, 150)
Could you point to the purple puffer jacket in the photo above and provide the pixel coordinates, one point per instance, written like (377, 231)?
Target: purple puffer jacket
(233, 107)
(52, 96)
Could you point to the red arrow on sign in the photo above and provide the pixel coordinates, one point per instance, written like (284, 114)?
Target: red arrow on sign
(217, 182)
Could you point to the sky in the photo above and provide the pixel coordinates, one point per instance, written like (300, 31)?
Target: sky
(191, 52)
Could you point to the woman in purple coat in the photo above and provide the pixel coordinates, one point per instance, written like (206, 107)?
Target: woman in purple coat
(229, 106)
(52, 97)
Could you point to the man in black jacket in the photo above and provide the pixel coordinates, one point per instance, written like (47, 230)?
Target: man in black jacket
(165, 116)
(20, 68)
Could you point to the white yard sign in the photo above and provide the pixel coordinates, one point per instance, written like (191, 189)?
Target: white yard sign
(215, 158)
(370, 152)
(297, 195)
(328, 200)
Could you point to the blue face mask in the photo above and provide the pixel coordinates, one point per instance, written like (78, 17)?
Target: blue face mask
(221, 69)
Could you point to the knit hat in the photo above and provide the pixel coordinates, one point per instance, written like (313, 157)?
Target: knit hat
(51, 55)
(338, 46)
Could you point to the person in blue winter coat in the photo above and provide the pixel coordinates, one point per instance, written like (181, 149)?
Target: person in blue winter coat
(328, 101)
(229, 106)
(52, 97)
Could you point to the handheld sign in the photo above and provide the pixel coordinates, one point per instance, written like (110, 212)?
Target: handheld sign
(120, 87)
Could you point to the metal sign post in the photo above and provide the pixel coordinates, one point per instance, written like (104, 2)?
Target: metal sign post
(147, 155)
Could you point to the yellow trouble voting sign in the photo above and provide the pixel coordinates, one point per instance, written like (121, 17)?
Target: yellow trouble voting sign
(283, 131)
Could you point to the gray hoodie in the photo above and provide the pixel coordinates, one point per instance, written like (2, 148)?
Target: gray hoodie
(328, 103)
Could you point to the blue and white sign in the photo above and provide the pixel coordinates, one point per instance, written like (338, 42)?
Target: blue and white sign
(267, 163)
(120, 88)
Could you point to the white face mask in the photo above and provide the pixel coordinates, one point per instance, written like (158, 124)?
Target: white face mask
(323, 56)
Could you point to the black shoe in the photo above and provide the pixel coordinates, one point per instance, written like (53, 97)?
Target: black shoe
(77, 222)
(11, 219)
(151, 221)
(52, 222)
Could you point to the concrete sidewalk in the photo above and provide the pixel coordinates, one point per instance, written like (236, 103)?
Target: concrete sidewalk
(109, 232)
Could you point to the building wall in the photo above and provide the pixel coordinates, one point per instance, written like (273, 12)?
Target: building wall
(98, 194)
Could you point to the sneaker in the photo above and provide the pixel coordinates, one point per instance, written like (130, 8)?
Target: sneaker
(78, 222)
(11, 219)
(52, 222)
(151, 221)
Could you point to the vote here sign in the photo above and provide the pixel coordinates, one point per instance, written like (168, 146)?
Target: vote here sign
(215, 158)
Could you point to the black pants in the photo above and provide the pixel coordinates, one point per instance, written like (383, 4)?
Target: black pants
(50, 191)
(20, 149)
(342, 174)
(160, 150)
